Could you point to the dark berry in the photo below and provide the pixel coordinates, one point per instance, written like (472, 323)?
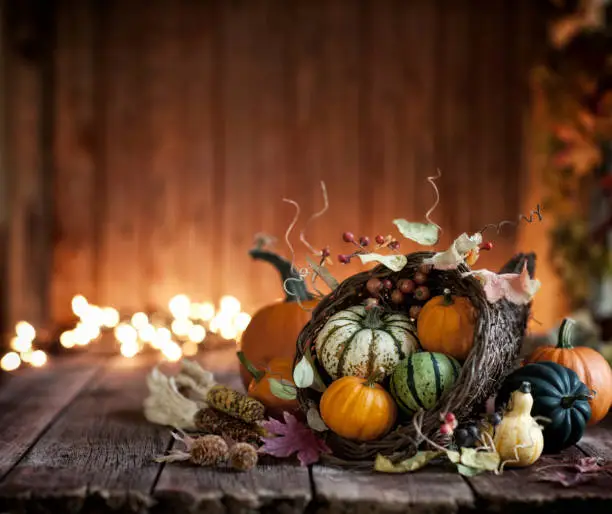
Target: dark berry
(379, 239)
(473, 432)
(414, 311)
(374, 286)
(406, 285)
(364, 240)
(495, 419)
(420, 278)
(344, 259)
(394, 245)
(387, 284)
(462, 437)
(348, 237)
(325, 252)
(397, 297)
(421, 293)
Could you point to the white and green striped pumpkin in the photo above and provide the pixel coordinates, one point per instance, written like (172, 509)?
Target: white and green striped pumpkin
(357, 342)
(419, 381)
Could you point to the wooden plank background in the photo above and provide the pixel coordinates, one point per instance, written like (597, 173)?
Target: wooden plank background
(178, 126)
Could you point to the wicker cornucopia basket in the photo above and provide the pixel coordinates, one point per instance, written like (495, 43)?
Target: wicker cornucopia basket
(499, 331)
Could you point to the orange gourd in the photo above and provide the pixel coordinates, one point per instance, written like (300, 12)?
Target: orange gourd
(590, 366)
(358, 408)
(274, 329)
(446, 324)
(259, 387)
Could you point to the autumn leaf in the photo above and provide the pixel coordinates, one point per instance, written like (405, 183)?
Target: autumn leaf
(421, 459)
(463, 246)
(517, 288)
(426, 234)
(292, 437)
(485, 460)
(393, 262)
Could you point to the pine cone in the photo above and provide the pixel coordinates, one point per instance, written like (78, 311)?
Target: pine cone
(215, 422)
(243, 456)
(235, 404)
(208, 450)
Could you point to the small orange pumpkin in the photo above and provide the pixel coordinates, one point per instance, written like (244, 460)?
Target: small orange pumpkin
(590, 366)
(358, 408)
(446, 324)
(259, 387)
(274, 329)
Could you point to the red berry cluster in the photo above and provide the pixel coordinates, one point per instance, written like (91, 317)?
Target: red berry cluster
(448, 423)
(362, 242)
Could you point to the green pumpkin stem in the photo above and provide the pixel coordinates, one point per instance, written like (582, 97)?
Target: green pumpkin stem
(374, 376)
(257, 373)
(567, 402)
(372, 317)
(293, 285)
(447, 298)
(566, 332)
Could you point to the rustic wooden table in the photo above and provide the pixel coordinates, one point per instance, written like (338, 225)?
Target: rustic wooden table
(73, 439)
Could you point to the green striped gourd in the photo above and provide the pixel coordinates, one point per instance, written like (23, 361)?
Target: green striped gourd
(419, 381)
(357, 341)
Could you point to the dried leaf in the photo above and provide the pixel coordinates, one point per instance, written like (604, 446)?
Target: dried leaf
(421, 459)
(487, 461)
(518, 288)
(588, 465)
(292, 437)
(426, 234)
(467, 471)
(315, 421)
(282, 389)
(303, 374)
(393, 262)
(565, 478)
(317, 384)
(463, 246)
(454, 457)
(324, 273)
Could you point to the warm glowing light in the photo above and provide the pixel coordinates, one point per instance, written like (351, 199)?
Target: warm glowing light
(26, 356)
(125, 333)
(82, 334)
(110, 317)
(241, 321)
(161, 338)
(180, 306)
(140, 320)
(194, 310)
(89, 331)
(129, 348)
(10, 362)
(230, 305)
(181, 326)
(228, 332)
(79, 305)
(172, 351)
(67, 339)
(197, 334)
(38, 358)
(220, 321)
(147, 333)
(206, 311)
(21, 345)
(25, 331)
(190, 349)
(92, 315)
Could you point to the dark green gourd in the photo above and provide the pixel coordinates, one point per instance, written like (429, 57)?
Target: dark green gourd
(559, 395)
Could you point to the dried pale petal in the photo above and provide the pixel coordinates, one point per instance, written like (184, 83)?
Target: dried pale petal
(282, 390)
(488, 461)
(421, 459)
(393, 262)
(426, 234)
(465, 243)
(303, 374)
(315, 421)
(450, 259)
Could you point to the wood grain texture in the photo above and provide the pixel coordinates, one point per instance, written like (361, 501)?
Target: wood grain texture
(597, 440)
(180, 126)
(98, 454)
(31, 400)
(340, 491)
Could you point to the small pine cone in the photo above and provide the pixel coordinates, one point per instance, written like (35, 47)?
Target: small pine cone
(243, 456)
(211, 421)
(235, 404)
(209, 450)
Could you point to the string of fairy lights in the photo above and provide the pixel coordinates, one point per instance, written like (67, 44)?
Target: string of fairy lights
(180, 334)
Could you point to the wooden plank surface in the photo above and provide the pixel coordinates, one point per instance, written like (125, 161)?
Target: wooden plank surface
(425, 491)
(597, 440)
(98, 454)
(31, 400)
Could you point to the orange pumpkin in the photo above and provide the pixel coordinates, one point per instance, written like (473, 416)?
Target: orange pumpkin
(259, 387)
(274, 329)
(592, 368)
(358, 408)
(446, 324)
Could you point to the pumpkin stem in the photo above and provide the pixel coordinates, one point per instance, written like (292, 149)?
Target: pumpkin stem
(566, 332)
(374, 376)
(567, 402)
(372, 318)
(447, 298)
(293, 285)
(257, 373)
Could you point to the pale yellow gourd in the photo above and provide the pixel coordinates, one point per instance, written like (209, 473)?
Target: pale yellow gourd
(518, 438)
